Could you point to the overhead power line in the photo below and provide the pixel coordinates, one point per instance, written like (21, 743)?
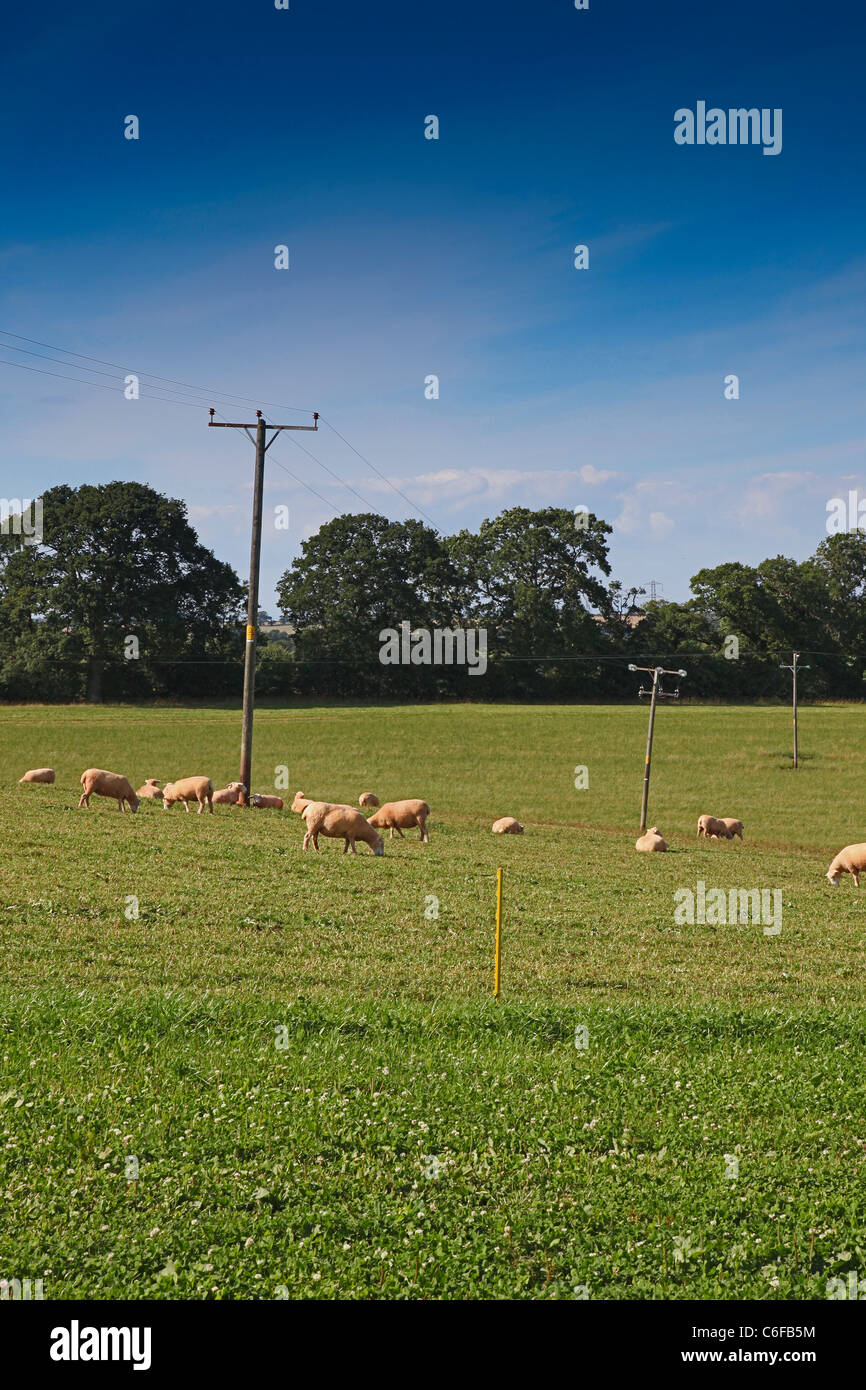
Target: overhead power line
(379, 474)
(205, 393)
(82, 381)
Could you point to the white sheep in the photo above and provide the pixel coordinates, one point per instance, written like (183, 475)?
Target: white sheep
(368, 799)
(507, 825)
(189, 789)
(266, 803)
(339, 823)
(651, 840)
(229, 796)
(151, 791)
(400, 816)
(38, 774)
(850, 860)
(97, 782)
(711, 826)
(734, 827)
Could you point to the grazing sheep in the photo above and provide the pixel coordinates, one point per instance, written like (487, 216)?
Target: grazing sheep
(850, 860)
(400, 816)
(507, 825)
(44, 774)
(97, 782)
(734, 827)
(189, 789)
(339, 823)
(228, 796)
(266, 803)
(151, 790)
(711, 826)
(652, 840)
(301, 802)
(368, 799)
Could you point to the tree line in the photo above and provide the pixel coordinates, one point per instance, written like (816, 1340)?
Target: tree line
(119, 600)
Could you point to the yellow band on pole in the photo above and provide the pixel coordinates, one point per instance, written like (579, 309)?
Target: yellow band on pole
(251, 634)
(498, 954)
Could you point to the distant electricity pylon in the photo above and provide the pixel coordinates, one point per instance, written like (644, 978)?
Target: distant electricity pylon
(655, 692)
(794, 668)
(262, 445)
(655, 589)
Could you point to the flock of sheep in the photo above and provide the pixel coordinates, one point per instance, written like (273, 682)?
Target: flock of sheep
(850, 860)
(338, 821)
(709, 827)
(333, 820)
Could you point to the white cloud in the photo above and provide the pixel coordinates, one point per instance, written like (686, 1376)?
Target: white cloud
(660, 525)
(593, 476)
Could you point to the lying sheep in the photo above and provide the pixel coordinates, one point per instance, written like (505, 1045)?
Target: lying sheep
(97, 782)
(850, 860)
(735, 827)
(189, 789)
(368, 799)
(228, 796)
(266, 803)
(151, 791)
(651, 840)
(44, 774)
(712, 827)
(339, 823)
(400, 816)
(507, 825)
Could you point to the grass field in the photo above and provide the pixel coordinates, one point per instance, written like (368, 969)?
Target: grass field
(286, 1077)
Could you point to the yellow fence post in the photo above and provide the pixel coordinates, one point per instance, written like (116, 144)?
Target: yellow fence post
(498, 955)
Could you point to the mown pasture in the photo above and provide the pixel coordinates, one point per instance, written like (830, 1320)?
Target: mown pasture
(287, 1076)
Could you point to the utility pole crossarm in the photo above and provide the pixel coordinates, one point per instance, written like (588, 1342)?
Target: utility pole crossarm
(262, 444)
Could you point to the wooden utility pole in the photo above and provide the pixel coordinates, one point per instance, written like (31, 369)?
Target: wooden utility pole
(262, 444)
(793, 668)
(655, 693)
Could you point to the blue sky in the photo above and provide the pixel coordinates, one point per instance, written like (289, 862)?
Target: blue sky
(412, 257)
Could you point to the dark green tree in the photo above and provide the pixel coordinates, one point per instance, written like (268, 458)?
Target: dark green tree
(357, 576)
(118, 561)
(535, 579)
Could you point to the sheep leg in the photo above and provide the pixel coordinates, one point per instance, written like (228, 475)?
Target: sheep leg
(399, 832)
(210, 804)
(85, 800)
(307, 839)
(200, 807)
(856, 877)
(423, 824)
(346, 845)
(186, 807)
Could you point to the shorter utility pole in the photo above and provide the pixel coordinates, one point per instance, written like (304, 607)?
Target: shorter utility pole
(655, 693)
(794, 668)
(262, 444)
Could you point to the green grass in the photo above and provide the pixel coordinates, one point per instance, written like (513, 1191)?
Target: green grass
(308, 1168)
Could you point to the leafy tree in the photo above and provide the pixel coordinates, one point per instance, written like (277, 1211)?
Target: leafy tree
(357, 576)
(533, 578)
(118, 561)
